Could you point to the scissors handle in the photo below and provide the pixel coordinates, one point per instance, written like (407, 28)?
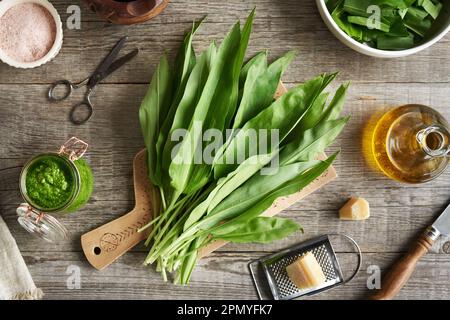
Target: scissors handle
(89, 110)
(69, 87)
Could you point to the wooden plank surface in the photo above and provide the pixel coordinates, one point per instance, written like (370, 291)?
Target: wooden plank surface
(219, 276)
(30, 124)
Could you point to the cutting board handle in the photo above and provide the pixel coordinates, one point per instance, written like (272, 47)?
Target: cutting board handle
(107, 243)
(402, 270)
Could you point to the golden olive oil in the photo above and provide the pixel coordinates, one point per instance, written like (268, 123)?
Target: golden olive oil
(409, 144)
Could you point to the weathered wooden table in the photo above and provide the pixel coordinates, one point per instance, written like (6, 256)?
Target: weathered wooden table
(30, 124)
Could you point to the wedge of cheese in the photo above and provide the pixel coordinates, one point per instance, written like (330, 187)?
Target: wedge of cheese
(355, 209)
(305, 272)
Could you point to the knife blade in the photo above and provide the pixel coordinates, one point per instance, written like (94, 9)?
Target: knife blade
(402, 270)
(442, 224)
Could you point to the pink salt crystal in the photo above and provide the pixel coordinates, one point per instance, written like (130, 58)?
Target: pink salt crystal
(27, 32)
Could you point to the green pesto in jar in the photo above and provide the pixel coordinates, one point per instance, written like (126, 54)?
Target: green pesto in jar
(86, 188)
(50, 182)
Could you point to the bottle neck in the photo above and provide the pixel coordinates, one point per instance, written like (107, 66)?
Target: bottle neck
(434, 140)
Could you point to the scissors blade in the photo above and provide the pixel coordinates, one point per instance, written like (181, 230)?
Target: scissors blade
(98, 74)
(120, 62)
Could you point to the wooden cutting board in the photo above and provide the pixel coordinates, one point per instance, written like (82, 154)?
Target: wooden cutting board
(105, 244)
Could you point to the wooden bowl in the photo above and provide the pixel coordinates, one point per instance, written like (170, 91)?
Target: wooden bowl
(127, 12)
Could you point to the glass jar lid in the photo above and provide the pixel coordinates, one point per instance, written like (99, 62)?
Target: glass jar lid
(41, 225)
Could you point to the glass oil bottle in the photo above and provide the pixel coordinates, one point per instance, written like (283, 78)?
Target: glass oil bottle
(409, 144)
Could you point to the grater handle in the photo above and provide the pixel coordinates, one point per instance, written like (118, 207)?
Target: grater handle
(402, 270)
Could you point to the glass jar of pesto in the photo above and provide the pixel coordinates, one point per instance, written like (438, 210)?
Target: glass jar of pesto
(56, 182)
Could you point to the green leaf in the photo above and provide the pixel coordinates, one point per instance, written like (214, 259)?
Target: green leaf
(370, 36)
(398, 29)
(363, 21)
(253, 191)
(185, 58)
(361, 8)
(258, 62)
(314, 113)
(260, 230)
(259, 59)
(235, 74)
(184, 63)
(416, 14)
(191, 95)
(260, 87)
(153, 107)
(402, 12)
(227, 185)
(306, 144)
(399, 4)
(340, 17)
(282, 115)
(255, 199)
(415, 22)
(395, 43)
(332, 4)
(181, 172)
(431, 8)
(312, 142)
(389, 13)
(337, 103)
(357, 7)
(224, 102)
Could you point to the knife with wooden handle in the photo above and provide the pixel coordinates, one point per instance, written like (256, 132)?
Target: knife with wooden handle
(402, 270)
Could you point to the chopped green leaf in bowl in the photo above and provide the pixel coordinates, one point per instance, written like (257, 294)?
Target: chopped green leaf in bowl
(385, 24)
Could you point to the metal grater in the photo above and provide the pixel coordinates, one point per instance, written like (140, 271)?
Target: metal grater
(272, 269)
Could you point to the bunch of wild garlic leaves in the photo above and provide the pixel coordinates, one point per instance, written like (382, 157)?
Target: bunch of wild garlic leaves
(199, 202)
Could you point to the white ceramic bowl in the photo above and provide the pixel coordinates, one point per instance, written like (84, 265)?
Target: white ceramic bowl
(439, 29)
(53, 52)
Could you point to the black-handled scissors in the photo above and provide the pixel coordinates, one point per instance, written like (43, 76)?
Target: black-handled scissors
(105, 68)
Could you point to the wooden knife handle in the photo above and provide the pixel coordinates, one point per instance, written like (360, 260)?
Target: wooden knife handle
(402, 270)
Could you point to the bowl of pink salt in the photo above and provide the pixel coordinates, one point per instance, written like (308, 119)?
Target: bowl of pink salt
(30, 32)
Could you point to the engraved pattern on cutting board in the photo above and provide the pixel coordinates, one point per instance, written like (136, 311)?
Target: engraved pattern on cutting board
(111, 241)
